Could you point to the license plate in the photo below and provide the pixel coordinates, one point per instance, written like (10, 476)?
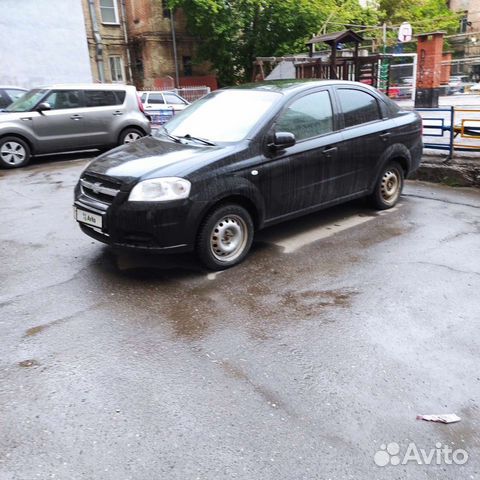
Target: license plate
(88, 218)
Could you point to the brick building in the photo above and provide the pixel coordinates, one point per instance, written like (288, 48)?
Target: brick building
(467, 43)
(132, 41)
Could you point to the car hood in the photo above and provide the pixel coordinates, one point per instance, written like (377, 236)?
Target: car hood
(152, 157)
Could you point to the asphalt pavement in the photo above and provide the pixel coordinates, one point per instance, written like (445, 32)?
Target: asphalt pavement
(304, 362)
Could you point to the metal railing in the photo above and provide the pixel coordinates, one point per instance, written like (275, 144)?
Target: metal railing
(448, 124)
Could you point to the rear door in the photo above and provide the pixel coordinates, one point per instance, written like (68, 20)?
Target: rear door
(366, 135)
(104, 109)
(155, 101)
(63, 127)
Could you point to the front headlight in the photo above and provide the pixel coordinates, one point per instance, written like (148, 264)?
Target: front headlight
(160, 190)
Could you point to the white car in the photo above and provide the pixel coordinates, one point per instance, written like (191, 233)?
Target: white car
(163, 101)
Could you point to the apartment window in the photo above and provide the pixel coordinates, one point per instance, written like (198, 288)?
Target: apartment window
(187, 66)
(109, 11)
(116, 68)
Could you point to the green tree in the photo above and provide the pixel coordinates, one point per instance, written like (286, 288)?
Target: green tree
(424, 15)
(231, 33)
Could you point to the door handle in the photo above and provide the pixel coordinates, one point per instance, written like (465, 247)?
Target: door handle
(76, 117)
(385, 136)
(329, 151)
(118, 112)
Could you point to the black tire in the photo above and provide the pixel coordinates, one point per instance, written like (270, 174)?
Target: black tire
(236, 234)
(389, 187)
(14, 152)
(128, 133)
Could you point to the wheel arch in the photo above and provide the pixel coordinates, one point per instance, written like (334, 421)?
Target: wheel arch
(21, 137)
(395, 153)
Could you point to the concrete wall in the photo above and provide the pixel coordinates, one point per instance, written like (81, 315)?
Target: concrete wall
(43, 42)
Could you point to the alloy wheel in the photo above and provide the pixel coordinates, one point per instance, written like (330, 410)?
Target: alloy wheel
(12, 153)
(131, 137)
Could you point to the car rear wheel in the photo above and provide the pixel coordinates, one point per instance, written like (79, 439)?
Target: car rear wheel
(14, 152)
(388, 187)
(130, 135)
(225, 237)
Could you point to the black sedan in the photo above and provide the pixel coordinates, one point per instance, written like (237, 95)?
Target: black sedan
(244, 158)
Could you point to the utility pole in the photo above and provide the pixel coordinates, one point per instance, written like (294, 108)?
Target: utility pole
(384, 37)
(174, 42)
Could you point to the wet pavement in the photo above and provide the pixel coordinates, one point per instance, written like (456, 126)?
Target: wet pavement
(300, 363)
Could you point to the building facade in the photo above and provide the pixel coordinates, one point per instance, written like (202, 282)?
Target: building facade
(107, 37)
(466, 45)
(137, 41)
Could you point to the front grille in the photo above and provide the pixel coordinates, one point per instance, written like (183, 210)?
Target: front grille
(99, 189)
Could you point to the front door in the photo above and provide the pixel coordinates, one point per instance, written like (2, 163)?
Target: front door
(63, 127)
(296, 178)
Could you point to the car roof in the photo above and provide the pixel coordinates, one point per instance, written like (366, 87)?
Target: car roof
(288, 87)
(87, 86)
(13, 87)
(160, 91)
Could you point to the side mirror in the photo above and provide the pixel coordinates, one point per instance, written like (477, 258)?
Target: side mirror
(42, 107)
(282, 140)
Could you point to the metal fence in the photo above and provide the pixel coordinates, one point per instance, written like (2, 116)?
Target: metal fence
(188, 93)
(192, 93)
(451, 129)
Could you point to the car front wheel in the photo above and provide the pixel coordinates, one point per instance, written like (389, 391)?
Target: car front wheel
(388, 187)
(225, 237)
(14, 152)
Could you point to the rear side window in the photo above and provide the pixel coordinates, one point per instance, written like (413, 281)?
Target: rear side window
(358, 107)
(308, 116)
(4, 100)
(155, 98)
(104, 98)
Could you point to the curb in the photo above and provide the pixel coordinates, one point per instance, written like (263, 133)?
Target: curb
(456, 173)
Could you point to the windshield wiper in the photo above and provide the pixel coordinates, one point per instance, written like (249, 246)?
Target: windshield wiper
(198, 139)
(170, 136)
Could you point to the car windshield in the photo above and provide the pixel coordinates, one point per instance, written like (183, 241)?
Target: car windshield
(223, 116)
(27, 101)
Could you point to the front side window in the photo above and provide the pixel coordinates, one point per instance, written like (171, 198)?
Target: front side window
(173, 99)
(109, 11)
(62, 99)
(156, 98)
(116, 68)
(358, 107)
(26, 102)
(307, 117)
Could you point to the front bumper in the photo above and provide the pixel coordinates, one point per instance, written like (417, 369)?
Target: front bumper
(147, 226)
